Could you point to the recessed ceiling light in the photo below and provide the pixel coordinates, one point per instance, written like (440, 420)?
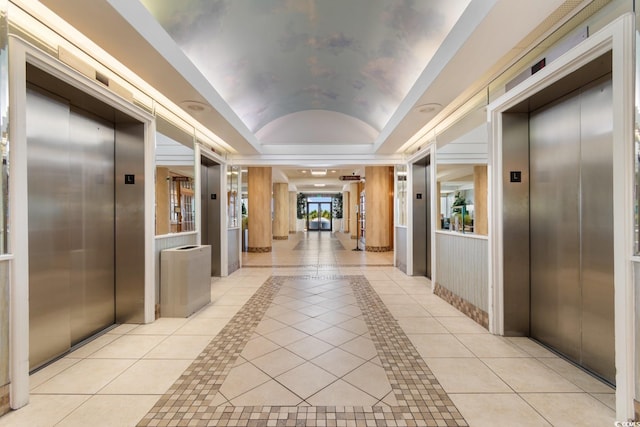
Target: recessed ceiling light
(303, 171)
(431, 107)
(333, 171)
(194, 106)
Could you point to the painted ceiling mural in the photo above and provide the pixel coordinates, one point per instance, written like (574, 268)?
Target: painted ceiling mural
(271, 58)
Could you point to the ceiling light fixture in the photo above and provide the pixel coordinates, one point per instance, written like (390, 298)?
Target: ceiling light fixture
(319, 185)
(318, 172)
(428, 108)
(194, 106)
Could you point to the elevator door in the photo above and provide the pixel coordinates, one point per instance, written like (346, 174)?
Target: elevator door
(211, 222)
(71, 225)
(571, 182)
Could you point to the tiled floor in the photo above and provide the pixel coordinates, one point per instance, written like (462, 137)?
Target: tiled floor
(328, 337)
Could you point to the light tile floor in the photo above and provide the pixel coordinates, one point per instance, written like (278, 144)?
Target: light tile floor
(309, 348)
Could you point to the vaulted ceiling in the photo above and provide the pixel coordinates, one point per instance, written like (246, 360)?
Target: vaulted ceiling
(326, 83)
(345, 64)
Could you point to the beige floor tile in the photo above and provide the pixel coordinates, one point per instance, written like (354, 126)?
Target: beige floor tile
(257, 347)
(312, 326)
(91, 347)
(571, 409)
(609, 399)
(202, 326)
(487, 345)
(350, 310)
(276, 310)
(389, 400)
(277, 362)
(87, 376)
(128, 347)
(162, 326)
(361, 347)
(335, 335)
(43, 410)
(242, 379)
(341, 393)
(286, 336)
(577, 376)
(531, 347)
(214, 311)
(492, 410)
(268, 325)
(441, 309)
(109, 411)
(309, 347)
(268, 394)
(338, 362)
(466, 375)
(291, 317)
(334, 317)
(219, 400)
(306, 379)
(407, 310)
(371, 379)
(529, 375)
(355, 325)
(123, 329)
(439, 345)
(147, 377)
(313, 310)
(421, 325)
(50, 371)
(461, 325)
(180, 347)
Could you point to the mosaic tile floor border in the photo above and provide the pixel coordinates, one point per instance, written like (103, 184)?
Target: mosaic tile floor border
(422, 401)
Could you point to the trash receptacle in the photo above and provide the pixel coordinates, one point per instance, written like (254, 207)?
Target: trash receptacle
(185, 280)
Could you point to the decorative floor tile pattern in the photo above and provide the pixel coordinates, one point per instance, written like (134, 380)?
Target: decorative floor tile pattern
(421, 401)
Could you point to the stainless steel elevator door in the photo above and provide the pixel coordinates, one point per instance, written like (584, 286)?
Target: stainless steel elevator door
(210, 215)
(71, 225)
(92, 218)
(571, 227)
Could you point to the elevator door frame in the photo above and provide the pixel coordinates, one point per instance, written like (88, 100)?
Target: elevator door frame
(21, 53)
(615, 38)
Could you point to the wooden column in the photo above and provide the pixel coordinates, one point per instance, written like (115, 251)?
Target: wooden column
(280, 211)
(259, 192)
(480, 223)
(293, 212)
(162, 201)
(354, 199)
(379, 208)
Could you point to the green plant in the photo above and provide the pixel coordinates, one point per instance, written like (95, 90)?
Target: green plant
(302, 206)
(336, 206)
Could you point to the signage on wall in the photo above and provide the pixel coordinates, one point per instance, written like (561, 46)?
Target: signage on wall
(419, 196)
(515, 176)
(129, 179)
(350, 178)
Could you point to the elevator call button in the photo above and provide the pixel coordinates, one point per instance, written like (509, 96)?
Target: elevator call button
(129, 179)
(516, 176)
(419, 196)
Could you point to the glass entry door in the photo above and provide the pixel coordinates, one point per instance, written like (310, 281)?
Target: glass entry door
(319, 216)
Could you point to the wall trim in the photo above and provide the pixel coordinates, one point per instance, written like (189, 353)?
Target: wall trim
(475, 313)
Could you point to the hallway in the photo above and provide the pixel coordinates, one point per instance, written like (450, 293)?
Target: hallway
(314, 334)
